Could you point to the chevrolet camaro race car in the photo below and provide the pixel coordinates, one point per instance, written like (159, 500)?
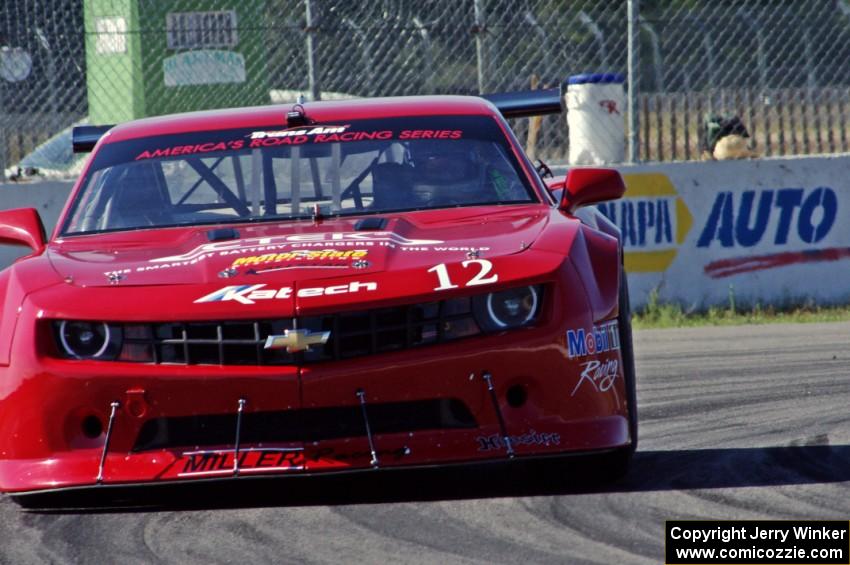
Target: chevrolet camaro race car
(313, 288)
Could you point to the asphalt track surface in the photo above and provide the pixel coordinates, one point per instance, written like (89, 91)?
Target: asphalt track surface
(736, 423)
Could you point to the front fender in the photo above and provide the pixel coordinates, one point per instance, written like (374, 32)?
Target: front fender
(596, 257)
(23, 277)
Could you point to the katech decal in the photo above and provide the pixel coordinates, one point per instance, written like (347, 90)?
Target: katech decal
(283, 242)
(531, 437)
(599, 374)
(599, 339)
(303, 257)
(250, 293)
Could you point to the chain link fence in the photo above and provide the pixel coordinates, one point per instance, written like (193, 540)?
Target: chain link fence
(779, 65)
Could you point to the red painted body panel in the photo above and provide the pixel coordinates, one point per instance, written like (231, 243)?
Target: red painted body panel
(45, 399)
(186, 256)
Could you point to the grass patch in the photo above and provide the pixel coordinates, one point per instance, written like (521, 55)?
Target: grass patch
(671, 315)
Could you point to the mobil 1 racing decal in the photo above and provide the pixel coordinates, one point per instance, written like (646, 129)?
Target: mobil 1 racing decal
(599, 339)
(599, 374)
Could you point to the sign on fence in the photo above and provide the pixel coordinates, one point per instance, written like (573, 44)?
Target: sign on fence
(769, 231)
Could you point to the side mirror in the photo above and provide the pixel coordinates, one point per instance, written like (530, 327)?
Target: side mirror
(589, 186)
(22, 227)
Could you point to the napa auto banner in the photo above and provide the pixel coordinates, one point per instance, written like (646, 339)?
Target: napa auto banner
(769, 231)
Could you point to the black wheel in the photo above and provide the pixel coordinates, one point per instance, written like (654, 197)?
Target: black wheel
(624, 321)
(615, 464)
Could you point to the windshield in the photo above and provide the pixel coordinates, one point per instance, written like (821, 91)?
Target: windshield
(256, 174)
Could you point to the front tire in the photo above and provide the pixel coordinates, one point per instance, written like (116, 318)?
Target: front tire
(615, 465)
(624, 322)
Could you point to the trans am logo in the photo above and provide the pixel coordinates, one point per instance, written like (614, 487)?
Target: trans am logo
(294, 132)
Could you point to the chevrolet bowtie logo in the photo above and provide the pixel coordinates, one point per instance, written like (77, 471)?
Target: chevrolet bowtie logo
(297, 340)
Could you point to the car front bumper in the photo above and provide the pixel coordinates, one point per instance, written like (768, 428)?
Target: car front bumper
(487, 398)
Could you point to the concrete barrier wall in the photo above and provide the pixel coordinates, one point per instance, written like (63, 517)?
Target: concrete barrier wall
(769, 231)
(773, 231)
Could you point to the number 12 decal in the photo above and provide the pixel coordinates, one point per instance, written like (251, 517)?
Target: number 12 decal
(484, 268)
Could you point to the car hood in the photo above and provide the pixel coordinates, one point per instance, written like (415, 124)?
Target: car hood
(295, 252)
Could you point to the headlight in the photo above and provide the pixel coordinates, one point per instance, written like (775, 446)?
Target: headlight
(508, 309)
(88, 340)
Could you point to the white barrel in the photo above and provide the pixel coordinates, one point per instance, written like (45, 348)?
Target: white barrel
(596, 106)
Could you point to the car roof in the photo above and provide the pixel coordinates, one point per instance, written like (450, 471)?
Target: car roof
(321, 112)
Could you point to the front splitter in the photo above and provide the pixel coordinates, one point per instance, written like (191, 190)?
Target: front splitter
(321, 488)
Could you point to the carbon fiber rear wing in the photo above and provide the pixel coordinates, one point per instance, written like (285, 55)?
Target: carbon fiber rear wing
(527, 102)
(84, 138)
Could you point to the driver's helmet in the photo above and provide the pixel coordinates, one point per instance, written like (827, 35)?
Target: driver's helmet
(392, 186)
(447, 172)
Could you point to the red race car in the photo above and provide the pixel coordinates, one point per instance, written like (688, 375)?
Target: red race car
(315, 288)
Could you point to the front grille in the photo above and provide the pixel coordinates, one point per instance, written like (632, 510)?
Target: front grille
(353, 334)
(308, 425)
